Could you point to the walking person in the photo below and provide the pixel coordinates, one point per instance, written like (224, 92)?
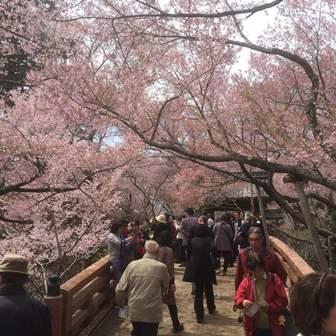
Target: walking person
(243, 231)
(263, 297)
(179, 251)
(223, 237)
(187, 225)
(143, 284)
(271, 260)
(313, 304)
(236, 224)
(200, 268)
(20, 315)
(165, 255)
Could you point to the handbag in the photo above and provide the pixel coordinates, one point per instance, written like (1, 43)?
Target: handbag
(290, 328)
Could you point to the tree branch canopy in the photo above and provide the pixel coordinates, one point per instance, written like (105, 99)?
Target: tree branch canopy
(163, 14)
(313, 77)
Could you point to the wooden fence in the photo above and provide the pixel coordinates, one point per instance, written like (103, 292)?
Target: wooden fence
(295, 266)
(83, 302)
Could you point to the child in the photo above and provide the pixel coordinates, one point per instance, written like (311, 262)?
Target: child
(263, 297)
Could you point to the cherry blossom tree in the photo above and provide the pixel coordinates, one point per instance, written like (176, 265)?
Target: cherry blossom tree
(164, 75)
(167, 74)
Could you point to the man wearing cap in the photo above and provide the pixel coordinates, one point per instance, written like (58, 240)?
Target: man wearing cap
(20, 315)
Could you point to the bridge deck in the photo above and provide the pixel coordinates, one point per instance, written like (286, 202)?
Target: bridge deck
(224, 323)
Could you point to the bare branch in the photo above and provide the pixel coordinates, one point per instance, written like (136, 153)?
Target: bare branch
(163, 14)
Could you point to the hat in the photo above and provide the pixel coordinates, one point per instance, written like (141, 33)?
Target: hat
(161, 218)
(13, 263)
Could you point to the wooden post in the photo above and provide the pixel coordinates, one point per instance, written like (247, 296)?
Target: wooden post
(67, 313)
(55, 304)
(311, 226)
(54, 300)
(263, 217)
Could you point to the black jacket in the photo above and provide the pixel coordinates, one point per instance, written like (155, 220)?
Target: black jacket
(21, 315)
(201, 263)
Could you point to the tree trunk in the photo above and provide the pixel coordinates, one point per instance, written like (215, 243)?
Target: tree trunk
(311, 226)
(331, 254)
(263, 217)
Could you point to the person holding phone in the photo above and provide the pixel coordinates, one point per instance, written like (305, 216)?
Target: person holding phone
(262, 297)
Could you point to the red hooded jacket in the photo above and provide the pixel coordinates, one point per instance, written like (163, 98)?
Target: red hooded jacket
(275, 296)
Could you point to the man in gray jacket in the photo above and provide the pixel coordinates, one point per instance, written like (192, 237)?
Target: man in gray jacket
(143, 283)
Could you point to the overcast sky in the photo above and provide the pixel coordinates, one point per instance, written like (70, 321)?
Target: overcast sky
(253, 27)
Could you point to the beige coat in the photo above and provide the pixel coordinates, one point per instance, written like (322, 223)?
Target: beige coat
(144, 282)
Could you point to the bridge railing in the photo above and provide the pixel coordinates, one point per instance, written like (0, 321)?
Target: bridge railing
(85, 300)
(295, 266)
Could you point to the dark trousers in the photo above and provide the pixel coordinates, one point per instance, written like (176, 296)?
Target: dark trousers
(173, 315)
(179, 251)
(204, 286)
(227, 255)
(262, 332)
(184, 249)
(144, 329)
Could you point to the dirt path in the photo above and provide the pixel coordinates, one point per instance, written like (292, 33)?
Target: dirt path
(224, 323)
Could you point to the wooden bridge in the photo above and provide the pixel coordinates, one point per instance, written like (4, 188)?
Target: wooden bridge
(85, 304)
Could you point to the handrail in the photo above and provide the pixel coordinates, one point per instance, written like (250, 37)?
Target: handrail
(295, 266)
(83, 299)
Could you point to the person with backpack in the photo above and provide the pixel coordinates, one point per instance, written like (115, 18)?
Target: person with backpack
(223, 237)
(262, 296)
(271, 260)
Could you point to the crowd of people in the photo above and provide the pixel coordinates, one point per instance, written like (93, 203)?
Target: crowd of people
(198, 244)
(142, 261)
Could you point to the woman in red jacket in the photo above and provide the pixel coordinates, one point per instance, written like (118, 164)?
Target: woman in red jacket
(271, 260)
(263, 297)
